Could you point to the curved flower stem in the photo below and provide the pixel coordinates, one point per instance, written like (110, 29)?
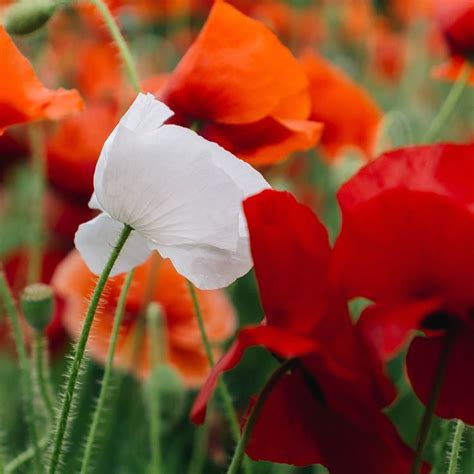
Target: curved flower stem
(449, 104)
(62, 422)
(39, 350)
(25, 456)
(25, 367)
(456, 448)
(119, 311)
(38, 171)
(425, 426)
(221, 385)
(155, 332)
(252, 419)
(119, 40)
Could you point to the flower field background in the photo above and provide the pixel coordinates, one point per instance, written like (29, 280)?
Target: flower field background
(252, 223)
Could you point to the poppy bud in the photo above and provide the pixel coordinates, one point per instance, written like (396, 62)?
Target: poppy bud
(28, 16)
(456, 21)
(37, 305)
(166, 385)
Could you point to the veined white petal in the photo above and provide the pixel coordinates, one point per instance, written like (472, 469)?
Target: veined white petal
(209, 267)
(96, 238)
(145, 115)
(167, 187)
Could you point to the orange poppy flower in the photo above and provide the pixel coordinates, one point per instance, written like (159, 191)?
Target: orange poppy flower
(74, 282)
(451, 70)
(22, 96)
(244, 88)
(350, 116)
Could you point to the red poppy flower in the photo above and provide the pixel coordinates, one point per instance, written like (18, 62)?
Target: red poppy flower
(244, 88)
(451, 70)
(456, 22)
(74, 282)
(350, 116)
(22, 96)
(407, 244)
(327, 410)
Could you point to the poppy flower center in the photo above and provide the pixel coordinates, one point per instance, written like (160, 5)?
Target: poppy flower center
(439, 320)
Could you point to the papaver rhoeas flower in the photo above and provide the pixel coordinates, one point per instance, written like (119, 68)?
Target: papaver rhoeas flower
(327, 410)
(244, 88)
(350, 116)
(407, 244)
(180, 193)
(22, 96)
(74, 282)
(456, 23)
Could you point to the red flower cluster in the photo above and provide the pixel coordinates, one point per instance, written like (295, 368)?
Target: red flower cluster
(328, 409)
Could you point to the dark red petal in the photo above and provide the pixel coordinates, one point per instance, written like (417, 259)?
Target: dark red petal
(404, 245)
(445, 169)
(276, 340)
(457, 392)
(388, 327)
(291, 255)
(295, 428)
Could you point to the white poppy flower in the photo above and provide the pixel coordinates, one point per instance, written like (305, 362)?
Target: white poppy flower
(180, 193)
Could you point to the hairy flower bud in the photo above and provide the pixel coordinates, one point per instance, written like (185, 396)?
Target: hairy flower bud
(26, 17)
(37, 305)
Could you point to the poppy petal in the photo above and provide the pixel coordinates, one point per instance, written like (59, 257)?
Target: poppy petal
(457, 390)
(291, 254)
(236, 72)
(274, 339)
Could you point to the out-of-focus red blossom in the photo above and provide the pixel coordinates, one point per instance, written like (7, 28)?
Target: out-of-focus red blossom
(184, 350)
(22, 96)
(455, 19)
(350, 116)
(74, 147)
(327, 410)
(407, 244)
(244, 88)
(16, 269)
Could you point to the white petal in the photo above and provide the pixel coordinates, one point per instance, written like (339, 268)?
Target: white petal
(209, 267)
(167, 187)
(95, 240)
(145, 115)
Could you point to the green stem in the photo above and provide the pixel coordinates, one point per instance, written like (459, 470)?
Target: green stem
(119, 40)
(221, 385)
(79, 351)
(42, 374)
(196, 464)
(424, 430)
(38, 171)
(252, 419)
(456, 448)
(25, 367)
(104, 390)
(154, 337)
(24, 457)
(449, 104)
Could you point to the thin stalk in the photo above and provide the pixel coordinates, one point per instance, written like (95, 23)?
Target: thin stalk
(456, 448)
(119, 40)
(62, 422)
(196, 464)
(24, 457)
(104, 390)
(425, 426)
(25, 367)
(42, 374)
(449, 104)
(221, 385)
(252, 419)
(37, 238)
(154, 337)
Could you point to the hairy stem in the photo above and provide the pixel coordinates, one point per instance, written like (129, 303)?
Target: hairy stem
(104, 390)
(62, 422)
(25, 367)
(456, 448)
